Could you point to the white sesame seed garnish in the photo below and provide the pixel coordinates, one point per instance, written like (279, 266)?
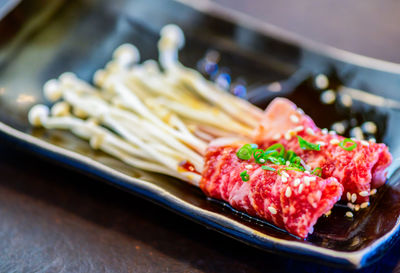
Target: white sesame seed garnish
(272, 210)
(276, 137)
(348, 195)
(249, 166)
(349, 214)
(353, 197)
(321, 81)
(296, 182)
(284, 179)
(262, 160)
(301, 188)
(321, 143)
(284, 174)
(363, 193)
(346, 100)
(288, 192)
(294, 118)
(364, 205)
(308, 179)
(369, 127)
(307, 172)
(328, 213)
(373, 191)
(310, 131)
(350, 206)
(373, 140)
(298, 129)
(328, 97)
(287, 163)
(364, 143)
(334, 141)
(357, 207)
(288, 135)
(324, 131)
(332, 132)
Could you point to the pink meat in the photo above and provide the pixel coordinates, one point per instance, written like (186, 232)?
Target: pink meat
(266, 194)
(359, 170)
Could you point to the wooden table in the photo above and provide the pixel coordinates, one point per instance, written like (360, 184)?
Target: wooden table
(56, 220)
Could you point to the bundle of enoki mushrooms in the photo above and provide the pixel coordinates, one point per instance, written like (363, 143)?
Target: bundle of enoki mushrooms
(158, 117)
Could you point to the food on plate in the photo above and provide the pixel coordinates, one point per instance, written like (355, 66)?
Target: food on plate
(289, 198)
(171, 120)
(359, 165)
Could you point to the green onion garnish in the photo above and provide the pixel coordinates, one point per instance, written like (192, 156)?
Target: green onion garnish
(245, 152)
(305, 145)
(245, 177)
(293, 168)
(277, 146)
(268, 168)
(258, 155)
(344, 142)
(317, 171)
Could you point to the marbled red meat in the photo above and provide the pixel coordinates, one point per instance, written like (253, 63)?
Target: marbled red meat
(293, 203)
(359, 170)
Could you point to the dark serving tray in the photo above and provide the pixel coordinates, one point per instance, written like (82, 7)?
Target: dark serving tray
(41, 39)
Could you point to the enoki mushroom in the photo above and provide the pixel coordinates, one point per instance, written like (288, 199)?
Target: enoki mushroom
(150, 117)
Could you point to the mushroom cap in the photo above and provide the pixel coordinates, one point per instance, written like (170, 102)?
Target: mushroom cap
(38, 114)
(52, 90)
(174, 34)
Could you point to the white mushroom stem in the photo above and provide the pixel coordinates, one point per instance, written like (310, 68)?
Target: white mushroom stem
(101, 138)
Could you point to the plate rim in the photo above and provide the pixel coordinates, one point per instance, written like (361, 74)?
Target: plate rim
(350, 259)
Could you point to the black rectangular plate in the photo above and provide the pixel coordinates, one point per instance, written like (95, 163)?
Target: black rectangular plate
(41, 39)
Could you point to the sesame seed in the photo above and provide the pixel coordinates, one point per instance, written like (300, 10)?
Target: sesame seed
(288, 136)
(301, 188)
(298, 129)
(357, 207)
(349, 214)
(364, 205)
(272, 210)
(296, 182)
(369, 127)
(324, 131)
(348, 195)
(328, 213)
(287, 163)
(294, 119)
(353, 197)
(363, 193)
(307, 172)
(321, 143)
(334, 141)
(373, 140)
(288, 192)
(284, 174)
(262, 160)
(310, 131)
(328, 97)
(350, 205)
(276, 136)
(364, 143)
(249, 167)
(373, 191)
(308, 179)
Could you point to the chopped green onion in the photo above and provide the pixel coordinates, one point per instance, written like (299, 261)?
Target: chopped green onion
(293, 168)
(245, 152)
(273, 153)
(268, 168)
(305, 145)
(296, 160)
(277, 146)
(258, 154)
(254, 146)
(245, 177)
(276, 160)
(317, 171)
(344, 142)
(290, 155)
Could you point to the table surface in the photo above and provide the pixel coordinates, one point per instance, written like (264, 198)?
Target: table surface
(56, 220)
